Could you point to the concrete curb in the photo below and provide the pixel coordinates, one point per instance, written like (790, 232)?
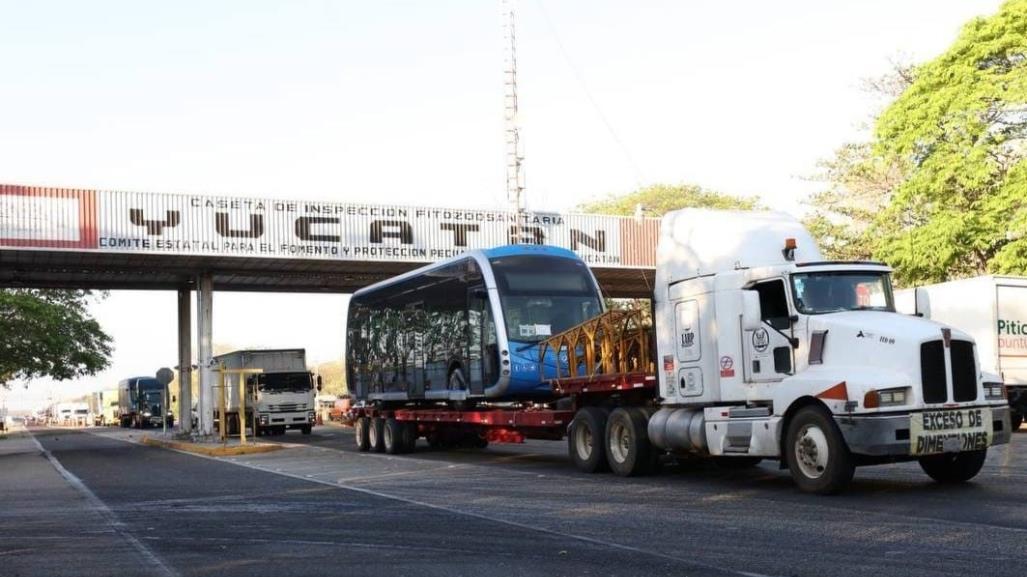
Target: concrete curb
(212, 450)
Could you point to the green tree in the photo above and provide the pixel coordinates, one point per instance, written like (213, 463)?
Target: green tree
(958, 134)
(858, 183)
(49, 333)
(659, 199)
(333, 377)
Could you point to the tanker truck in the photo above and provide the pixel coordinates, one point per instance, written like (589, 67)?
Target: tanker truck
(760, 350)
(993, 310)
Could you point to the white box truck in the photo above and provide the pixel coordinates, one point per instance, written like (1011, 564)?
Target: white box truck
(763, 350)
(278, 398)
(991, 309)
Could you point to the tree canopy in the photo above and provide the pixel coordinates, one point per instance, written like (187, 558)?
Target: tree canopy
(659, 199)
(957, 135)
(49, 333)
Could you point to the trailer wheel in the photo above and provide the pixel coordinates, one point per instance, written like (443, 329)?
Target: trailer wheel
(954, 467)
(409, 436)
(392, 437)
(627, 442)
(816, 453)
(361, 428)
(585, 441)
(375, 433)
(1015, 420)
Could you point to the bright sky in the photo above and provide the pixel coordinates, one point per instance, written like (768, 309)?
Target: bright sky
(401, 102)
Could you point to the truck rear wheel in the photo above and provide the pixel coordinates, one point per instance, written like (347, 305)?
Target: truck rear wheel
(392, 437)
(585, 443)
(375, 433)
(816, 453)
(361, 428)
(628, 451)
(409, 436)
(954, 467)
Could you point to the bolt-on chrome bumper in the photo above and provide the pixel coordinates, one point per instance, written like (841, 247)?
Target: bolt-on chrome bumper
(889, 434)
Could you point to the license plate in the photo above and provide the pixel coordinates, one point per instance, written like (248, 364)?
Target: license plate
(950, 431)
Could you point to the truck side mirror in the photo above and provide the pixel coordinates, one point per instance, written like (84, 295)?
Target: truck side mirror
(751, 314)
(319, 382)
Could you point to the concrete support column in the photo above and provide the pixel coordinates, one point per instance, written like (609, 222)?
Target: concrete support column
(185, 359)
(205, 353)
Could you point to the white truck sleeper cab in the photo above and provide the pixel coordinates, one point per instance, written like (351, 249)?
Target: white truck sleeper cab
(766, 352)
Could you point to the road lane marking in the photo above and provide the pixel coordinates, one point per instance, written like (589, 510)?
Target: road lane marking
(107, 514)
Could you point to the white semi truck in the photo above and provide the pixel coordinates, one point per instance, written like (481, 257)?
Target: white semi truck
(991, 309)
(762, 351)
(279, 397)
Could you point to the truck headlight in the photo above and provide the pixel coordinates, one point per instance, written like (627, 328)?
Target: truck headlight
(147, 414)
(995, 391)
(886, 398)
(264, 420)
(311, 416)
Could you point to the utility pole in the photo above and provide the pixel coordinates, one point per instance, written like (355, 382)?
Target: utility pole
(514, 158)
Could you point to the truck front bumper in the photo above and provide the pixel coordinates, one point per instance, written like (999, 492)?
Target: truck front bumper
(889, 435)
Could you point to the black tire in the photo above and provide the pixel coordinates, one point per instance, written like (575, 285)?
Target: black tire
(954, 467)
(586, 440)
(409, 436)
(392, 437)
(361, 428)
(816, 453)
(305, 429)
(628, 451)
(375, 432)
(1015, 420)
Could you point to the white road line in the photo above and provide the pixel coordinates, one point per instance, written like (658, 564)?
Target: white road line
(108, 515)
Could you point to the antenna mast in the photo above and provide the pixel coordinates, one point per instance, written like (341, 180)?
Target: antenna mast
(514, 158)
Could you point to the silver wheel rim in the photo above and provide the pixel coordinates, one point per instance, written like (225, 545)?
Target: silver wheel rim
(620, 442)
(387, 436)
(811, 451)
(583, 442)
(360, 431)
(372, 435)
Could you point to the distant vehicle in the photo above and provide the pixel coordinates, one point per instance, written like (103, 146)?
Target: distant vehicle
(103, 407)
(141, 403)
(340, 409)
(281, 397)
(991, 309)
(436, 333)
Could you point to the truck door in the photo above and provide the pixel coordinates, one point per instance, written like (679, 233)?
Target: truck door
(768, 350)
(483, 346)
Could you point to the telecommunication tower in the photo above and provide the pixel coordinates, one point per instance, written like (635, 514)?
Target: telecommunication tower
(514, 156)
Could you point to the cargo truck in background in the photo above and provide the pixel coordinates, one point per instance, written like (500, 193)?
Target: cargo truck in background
(761, 351)
(142, 402)
(991, 309)
(280, 397)
(103, 407)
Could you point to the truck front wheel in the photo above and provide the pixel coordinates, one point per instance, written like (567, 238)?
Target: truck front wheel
(361, 428)
(1015, 420)
(627, 442)
(816, 453)
(954, 467)
(585, 443)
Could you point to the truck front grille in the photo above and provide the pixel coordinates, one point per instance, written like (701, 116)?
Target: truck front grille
(964, 372)
(932, 372)
(287, 407)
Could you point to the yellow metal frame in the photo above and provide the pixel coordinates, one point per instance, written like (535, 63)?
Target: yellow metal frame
(223, 398)
(617, 341)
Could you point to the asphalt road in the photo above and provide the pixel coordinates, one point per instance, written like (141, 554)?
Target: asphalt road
(321, 508)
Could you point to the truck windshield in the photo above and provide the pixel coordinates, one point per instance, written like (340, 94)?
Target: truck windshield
(543, 295)
(284, 382)
(834, 291)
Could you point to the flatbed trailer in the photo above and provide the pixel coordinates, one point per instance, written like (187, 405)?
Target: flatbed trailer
(396, 430)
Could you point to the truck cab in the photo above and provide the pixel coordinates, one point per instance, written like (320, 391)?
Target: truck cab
(769, 351)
